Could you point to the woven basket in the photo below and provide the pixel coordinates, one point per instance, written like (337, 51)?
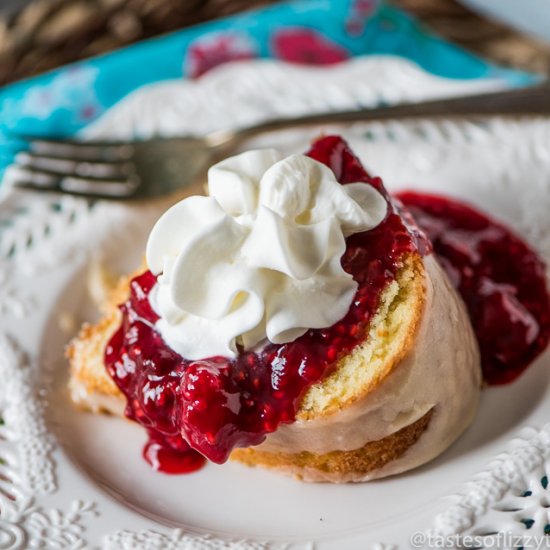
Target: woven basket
(43, 34)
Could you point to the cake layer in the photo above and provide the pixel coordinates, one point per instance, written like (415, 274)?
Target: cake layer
(339, 466)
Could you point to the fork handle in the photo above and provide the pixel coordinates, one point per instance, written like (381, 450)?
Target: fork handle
(532, 100)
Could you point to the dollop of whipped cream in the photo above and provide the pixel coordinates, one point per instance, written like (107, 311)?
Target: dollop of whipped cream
(260, 257)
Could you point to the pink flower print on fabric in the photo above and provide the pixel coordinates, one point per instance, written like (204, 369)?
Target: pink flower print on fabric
(215, 49)
(307, 46)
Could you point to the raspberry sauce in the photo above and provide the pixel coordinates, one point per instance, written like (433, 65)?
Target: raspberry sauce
(501, 280)
(213, 405)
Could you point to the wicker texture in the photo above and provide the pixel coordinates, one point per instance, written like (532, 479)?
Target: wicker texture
(37, 35)
(48, 33)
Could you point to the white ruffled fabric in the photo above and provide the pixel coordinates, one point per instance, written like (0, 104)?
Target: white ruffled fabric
(259, 257)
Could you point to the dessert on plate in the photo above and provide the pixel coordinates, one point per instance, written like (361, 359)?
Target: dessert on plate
(295, 318)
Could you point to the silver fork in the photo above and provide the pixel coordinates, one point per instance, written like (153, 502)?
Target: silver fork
(152, 168)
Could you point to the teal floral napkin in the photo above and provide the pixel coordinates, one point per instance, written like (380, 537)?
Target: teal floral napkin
(318, 32)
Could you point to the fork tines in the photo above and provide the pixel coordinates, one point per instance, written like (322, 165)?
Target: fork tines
(94, 170)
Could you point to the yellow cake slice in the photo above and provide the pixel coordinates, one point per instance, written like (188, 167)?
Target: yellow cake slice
(395, 402)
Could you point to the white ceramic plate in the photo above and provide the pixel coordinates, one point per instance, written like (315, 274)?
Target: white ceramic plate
(69, 479)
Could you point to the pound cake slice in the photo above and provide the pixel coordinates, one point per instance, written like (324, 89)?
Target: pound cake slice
(386, 387)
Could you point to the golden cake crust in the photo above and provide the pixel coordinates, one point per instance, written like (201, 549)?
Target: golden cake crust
(345, 465)
(88, 376)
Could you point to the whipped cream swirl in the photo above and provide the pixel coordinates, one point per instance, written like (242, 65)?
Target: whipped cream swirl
(260, 257)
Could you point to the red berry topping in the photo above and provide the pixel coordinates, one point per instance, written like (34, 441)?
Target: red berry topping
(216, 404)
